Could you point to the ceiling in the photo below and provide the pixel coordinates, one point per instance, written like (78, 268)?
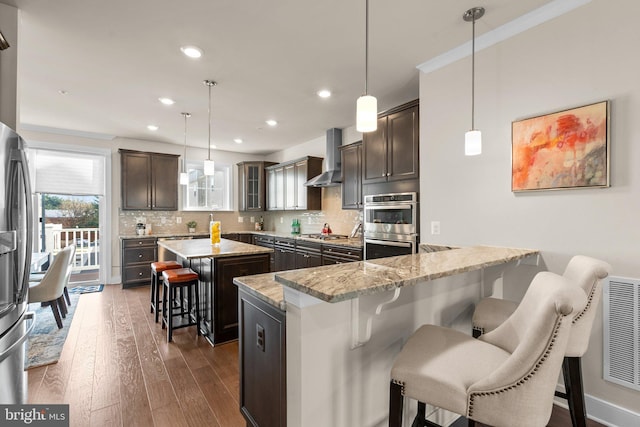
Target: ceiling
(115, 58)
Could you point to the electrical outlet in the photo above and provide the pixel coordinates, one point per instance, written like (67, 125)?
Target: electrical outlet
(281, 220)
(240, 219)
(435, 227)
(178, 220)
(252, 219)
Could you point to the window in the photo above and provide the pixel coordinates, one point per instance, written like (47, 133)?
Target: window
(206, 193)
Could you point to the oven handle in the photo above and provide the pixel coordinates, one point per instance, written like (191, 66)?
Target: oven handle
(389, 243)
(383, 207)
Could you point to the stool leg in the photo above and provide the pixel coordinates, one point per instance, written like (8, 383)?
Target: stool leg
(572, 374)
(396, 400)
(197, 307)
(165, 306)
(154, 306)
(419, 420)
(169, 320)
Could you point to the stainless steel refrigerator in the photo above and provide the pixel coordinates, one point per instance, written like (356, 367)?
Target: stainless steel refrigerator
(15, 262)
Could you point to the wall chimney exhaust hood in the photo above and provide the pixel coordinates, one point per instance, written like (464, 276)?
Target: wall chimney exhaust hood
(332, 163)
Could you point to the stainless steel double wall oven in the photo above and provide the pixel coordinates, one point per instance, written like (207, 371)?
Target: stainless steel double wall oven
(390, 224)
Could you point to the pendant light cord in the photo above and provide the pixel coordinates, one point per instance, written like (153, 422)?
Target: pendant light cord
(184, 158)
(209, 112)
(366, 48)
(473, 71)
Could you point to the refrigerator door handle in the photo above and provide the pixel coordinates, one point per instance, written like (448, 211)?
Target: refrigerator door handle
(20, 165)
(30, 315)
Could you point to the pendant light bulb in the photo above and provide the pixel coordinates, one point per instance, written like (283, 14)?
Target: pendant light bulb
(184, 176)
(473, 138)
(209, 165)
(367, 105)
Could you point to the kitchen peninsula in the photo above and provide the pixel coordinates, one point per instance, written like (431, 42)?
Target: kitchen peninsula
(217, 265)
(344, 324)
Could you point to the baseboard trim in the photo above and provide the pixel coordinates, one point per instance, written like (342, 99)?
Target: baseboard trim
(605, 412)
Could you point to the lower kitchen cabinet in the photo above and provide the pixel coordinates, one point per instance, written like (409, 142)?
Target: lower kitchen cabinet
(285, 254)
(137, 256)
(266, 242)
(263, 382)
(340, 254)
(218, 294)
(308, 254)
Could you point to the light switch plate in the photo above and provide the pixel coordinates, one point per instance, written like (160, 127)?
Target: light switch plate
(178, 220)
(435, 227)
(240, 219)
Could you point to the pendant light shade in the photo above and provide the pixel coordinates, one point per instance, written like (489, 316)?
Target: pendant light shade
(367, 114)
(209, 165)
(367, 105)
(184, 176)
(473, 138)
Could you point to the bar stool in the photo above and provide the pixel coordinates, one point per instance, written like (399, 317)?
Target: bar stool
(180, 278)
(157, 268)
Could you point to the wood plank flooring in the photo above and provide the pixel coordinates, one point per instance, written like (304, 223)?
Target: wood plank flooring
(116, 369)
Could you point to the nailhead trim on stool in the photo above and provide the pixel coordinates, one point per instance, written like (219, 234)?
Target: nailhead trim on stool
(174, 279)
(158, 267)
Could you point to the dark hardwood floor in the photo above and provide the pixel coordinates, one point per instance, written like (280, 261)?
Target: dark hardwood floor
(116, 369)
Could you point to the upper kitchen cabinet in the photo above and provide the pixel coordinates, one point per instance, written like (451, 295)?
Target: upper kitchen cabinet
(149, 181)
(351, 175)
(390, 153)
(286, 189)
(251, 182)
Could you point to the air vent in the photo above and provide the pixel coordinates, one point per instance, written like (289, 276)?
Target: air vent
(621, 313)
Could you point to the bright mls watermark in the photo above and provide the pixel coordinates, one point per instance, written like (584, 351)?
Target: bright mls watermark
(34, 415)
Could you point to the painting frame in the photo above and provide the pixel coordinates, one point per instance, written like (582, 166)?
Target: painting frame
(562, 150)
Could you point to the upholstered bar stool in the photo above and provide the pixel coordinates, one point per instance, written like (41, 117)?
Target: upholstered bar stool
(587, 273)
(505, 377)
(183, 279)
(157, 268)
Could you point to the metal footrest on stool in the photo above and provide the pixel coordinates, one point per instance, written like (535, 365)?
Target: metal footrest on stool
(157, 268)
(184, 279)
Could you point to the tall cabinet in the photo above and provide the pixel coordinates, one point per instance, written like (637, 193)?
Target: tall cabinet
(351, 175)
(391, 152)
(251, 182)
(149, 181)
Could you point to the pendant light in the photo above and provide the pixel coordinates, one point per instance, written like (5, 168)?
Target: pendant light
(473, 138)
(184, 176)
(209, 165)
(367, 105)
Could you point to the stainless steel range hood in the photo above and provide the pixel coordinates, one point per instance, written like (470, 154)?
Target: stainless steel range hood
(332, 174)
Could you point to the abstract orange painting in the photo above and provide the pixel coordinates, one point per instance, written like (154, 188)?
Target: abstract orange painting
(561, 150)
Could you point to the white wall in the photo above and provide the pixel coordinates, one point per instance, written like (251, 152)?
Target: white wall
(584, 56)
(9, 66)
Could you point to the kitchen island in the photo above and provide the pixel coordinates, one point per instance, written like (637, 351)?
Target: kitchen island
(342, 326)
(217, 265)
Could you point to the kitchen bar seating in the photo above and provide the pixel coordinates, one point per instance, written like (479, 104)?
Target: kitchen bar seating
(504, 378)
(587, 273)
(157, 268)
(183, 279)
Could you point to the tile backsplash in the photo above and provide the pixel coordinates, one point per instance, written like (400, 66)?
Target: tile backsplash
(166, 222)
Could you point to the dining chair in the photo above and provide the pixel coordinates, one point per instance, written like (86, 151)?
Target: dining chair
(503, 378)
(50, 289)
(587, 273)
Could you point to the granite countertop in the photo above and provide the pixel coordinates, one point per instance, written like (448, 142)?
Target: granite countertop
(202, 248)
(340, 282)
(164, 235)
(264, 287)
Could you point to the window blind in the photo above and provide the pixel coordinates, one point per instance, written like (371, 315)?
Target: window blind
(64, 172)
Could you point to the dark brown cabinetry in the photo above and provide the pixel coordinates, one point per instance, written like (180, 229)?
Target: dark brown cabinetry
(286, 189)
(340, 254)
(391, 152)
(351, 175)
(251, 182)
(263, 368)
(284, 252)
(137, 256)
(217, 291)
(308, 254)
(266, 242)
(149, 181)
(238, 237)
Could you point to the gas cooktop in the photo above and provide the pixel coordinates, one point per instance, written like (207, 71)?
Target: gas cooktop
(325, 236)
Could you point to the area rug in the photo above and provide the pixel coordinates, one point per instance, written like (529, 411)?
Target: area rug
(86, 289)
(45, 343)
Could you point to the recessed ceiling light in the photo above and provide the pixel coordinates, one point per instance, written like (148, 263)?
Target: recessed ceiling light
(324, 93)
(63, 92)
(271, 122)
(167, 101)
(152, 127)
(191, 51)
(237, 140)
